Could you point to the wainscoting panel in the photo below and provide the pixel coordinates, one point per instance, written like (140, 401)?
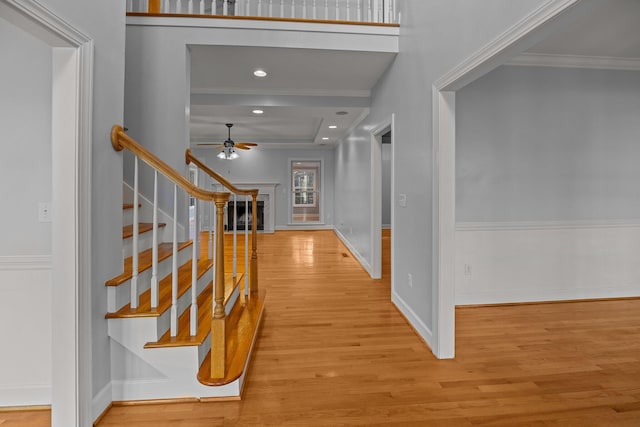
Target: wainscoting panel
(25, 328)
(523, 262)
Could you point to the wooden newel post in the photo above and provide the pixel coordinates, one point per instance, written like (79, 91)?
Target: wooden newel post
(253, 267)
(218, 322)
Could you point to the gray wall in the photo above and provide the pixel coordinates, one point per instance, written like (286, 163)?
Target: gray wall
(434, 37)
(271, 165)
(25, 142)
(548, 144)
(386, 184)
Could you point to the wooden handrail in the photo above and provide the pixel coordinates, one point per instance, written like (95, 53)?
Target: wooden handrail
(189, 158)
(120, 140)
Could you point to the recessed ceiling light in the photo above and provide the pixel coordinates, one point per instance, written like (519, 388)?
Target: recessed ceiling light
(333, 127)
(325, 139)
(259, 73)
(341, 113)
(257, 111)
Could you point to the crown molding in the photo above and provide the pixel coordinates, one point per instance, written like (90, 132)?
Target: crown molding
(575, 61)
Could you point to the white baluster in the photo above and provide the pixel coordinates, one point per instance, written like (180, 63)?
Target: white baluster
(359, 11)
(235, 236)
(134, 254)
(348, 11)
(174, 266)
(282, 8)
(194, 273)
(246, 244)
(271, 8)
(326, 9)
(154, 248)
(201, 7)
(225, 7)
(369, 11)
(145, 6)
(211, 222)
(315, 10)
(178, 6)
(304, 9)
(190, 7)
(337, 10)
(130, 6)
(389, 11)
(213, 7)
(167, 6)
(293, 9)
(259, 8)
(394, 15)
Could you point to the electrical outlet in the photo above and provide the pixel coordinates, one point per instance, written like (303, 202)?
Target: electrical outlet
(410, 280)
(44, 212)
(402, 200)
(467, 270)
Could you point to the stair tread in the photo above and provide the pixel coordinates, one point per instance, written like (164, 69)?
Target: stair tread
(143, 227)
(243, 322)
(165, 250)
(205, 305)
(126, 206)
(164, 293)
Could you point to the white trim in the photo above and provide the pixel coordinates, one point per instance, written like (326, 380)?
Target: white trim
(419, 326)
(376, 192)
(306, 227)
(551, 15)
(25, 395)
(575, 61)
(545, 225)
(509, 296)
(71, 183)
(25, 262)
(362, 260)
(102, 400)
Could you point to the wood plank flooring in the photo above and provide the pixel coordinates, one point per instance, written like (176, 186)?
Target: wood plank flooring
(333, 351)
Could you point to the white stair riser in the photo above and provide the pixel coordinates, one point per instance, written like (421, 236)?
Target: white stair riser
(119, 296)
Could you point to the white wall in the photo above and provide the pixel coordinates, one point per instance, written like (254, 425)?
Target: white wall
(271, 165)
(547, 194)
(25, 247)
(386, 184)
(434, 37)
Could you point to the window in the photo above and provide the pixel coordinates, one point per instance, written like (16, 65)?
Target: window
(305, 191)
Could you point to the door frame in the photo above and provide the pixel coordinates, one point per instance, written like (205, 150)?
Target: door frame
(388, 124)
(71, 135)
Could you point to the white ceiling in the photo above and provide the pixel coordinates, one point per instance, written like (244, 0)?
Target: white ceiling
(613, 30)
(300, 97)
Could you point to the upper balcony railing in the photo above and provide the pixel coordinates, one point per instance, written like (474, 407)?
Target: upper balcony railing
(375, 12)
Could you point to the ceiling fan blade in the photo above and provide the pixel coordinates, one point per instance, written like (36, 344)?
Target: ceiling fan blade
(242, 147)
(214, 144)
(248, 144)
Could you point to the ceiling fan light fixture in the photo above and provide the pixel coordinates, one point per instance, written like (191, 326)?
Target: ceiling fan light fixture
(228, 153)
(258, 111)
(333, 127)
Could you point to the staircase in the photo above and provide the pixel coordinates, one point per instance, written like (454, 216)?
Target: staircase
(179, 325)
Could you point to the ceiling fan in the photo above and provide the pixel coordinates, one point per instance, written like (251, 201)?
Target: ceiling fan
(228, 147)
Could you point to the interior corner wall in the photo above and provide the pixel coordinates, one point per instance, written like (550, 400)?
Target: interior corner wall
(25, 247)
(434, 37)
(104, 23)
(271, 165)
(548, 206)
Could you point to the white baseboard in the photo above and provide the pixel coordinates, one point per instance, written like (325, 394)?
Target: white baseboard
(363, 262)
(101, 401)
(418, 325)
(546, 261)
(25, 395)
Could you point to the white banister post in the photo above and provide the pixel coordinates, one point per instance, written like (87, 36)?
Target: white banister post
(213, 7)
(167, 6)
(235, 235)
(369, 11)
(136, 230)
(246, 245)
(315, 10)
(129, 5)
(271, 8)
(213, 245)
(194, 273)
(375, 7)
(259, 8)
(211, 222)
(154, 248)
(174, 266)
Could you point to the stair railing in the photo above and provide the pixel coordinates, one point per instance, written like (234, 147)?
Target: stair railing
(251, 279)
(120, 141)
(361, 11)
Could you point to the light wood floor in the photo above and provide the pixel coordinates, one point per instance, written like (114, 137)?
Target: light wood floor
(333, 351)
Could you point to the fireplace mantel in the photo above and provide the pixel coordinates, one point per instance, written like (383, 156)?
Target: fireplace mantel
(266, 193)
